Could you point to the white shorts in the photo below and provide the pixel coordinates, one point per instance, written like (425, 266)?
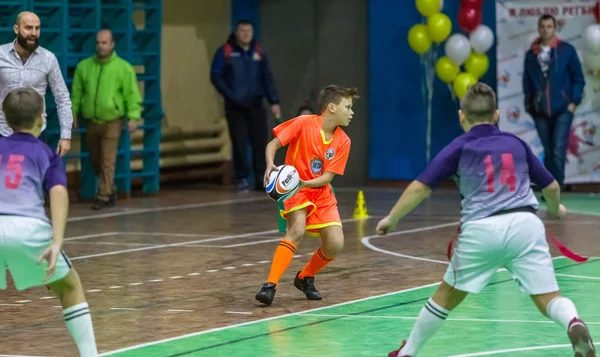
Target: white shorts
(515, 241)
(22, 241)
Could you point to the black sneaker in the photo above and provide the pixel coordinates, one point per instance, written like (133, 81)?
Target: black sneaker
(243, 186)
(266, 293)
(307, 286)
(113, 198)
(102, 204)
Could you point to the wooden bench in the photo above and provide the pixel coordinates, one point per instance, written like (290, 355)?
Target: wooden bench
(202, 154)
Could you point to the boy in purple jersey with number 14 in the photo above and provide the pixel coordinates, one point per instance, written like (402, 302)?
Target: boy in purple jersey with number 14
(31, 244)
(499, 227)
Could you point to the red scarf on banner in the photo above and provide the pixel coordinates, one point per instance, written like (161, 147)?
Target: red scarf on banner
(563, 249)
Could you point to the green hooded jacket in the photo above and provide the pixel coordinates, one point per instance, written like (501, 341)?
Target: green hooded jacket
(105, 91)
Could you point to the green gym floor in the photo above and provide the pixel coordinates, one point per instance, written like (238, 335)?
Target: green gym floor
(501, 321)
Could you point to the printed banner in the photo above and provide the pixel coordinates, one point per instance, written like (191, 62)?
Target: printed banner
(516, 29)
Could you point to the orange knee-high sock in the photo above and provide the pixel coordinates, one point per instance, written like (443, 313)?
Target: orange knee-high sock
(283, 256)
(318, 261)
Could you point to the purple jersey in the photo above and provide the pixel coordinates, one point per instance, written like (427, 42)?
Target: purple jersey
(28, 167)
(493, 169)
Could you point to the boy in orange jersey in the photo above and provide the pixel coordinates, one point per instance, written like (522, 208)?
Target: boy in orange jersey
(318, 149)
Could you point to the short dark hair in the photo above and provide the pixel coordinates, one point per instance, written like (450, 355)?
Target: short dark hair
(547, 17)
(479, 104)
(22, 107)
(242, 22)
(334, 94)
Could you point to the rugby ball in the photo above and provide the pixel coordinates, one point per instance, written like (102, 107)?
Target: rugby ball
(283, 183)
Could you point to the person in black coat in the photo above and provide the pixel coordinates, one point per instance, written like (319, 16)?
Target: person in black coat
(241, 73)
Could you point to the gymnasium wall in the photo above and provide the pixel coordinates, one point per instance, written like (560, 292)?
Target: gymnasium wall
(192, 31)
(397, 112)
(313, 43)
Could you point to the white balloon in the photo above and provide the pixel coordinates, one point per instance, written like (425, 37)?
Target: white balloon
(591, 60)
(591, 38)
(482, 39)
(458, 48)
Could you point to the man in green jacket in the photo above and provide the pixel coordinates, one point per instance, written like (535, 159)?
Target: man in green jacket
(105, 93)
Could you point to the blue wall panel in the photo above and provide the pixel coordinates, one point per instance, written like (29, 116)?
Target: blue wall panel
(397, 110)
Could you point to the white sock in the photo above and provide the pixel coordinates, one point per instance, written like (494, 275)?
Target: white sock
(431, 318)
(79, 324)
(562, 310)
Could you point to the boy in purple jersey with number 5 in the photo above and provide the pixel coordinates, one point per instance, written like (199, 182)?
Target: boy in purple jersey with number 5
(499, 227)
(31, 245)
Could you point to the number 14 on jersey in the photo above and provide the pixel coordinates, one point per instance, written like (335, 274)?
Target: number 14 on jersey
(507, 173)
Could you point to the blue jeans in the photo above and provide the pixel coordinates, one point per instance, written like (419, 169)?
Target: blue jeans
(554, 134)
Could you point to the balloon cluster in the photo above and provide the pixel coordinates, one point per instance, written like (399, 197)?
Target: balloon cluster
(459, 50)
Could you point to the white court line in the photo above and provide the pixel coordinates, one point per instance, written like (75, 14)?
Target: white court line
(190, 235)
(178, 244)
(116, 243)
(129, 212)
(448, 319)
(497, 352)
(366, 243)
(578, 277)
(239, 312)
(265, 240)
(95, 235)
(181, 244)
(109, 234)
(262, 320)
(250, 243)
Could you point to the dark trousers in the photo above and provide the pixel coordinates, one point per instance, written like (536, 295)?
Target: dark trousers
(554, 134)
(248, 126)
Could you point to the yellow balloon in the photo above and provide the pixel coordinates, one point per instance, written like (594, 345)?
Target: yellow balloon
(462, 83)
(418, 39)
(439, 26)
(477, 64)
(428, 7)
(446, 70)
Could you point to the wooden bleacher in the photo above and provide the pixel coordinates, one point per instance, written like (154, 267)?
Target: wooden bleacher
(199, 154)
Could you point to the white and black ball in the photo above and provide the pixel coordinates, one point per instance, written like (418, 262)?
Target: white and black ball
(283, 183)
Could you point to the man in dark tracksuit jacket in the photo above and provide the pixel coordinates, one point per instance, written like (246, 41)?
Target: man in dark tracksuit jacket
(553, 85)
(240, 71)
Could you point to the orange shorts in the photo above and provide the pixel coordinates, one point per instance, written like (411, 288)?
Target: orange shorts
(321, 205)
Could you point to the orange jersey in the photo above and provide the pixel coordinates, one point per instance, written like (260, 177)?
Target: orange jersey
(308, 150)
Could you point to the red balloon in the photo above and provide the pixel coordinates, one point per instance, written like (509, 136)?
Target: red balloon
(597, 11)
(472, 4)
(469, 19)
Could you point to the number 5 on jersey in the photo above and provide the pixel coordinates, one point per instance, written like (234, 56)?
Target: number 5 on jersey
(13, 172)
(507, 173)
